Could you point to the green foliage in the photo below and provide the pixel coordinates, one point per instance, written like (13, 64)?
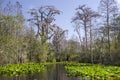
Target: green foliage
(21, 69)
(43, 52)
(19, 45)
(24, 69)
(93, 71)
(8, 30)
(51, 56)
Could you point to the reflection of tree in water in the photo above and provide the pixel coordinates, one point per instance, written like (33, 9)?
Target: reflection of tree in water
(53, 72)
(60, 73)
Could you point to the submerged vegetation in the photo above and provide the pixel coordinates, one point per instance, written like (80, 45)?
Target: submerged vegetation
(93, 71)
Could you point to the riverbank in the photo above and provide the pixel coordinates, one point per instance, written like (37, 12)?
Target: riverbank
(55, 70)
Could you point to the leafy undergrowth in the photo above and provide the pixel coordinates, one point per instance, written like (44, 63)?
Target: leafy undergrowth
(21, 69)
(93, 72)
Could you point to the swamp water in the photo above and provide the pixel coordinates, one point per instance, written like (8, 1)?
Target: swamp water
(53, 72)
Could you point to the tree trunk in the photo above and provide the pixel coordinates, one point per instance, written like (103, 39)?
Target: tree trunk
(85, 36)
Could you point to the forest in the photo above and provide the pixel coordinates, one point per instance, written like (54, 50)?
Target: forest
(37, 44)
(38, 39)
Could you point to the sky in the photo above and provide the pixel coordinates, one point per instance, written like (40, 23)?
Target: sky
(67, 8)
(118, 1)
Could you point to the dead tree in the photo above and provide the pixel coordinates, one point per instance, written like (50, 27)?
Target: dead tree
(84, 17)
(43, 18)
(108, 8)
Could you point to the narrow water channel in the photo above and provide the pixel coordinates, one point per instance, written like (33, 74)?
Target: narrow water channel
(53, 72)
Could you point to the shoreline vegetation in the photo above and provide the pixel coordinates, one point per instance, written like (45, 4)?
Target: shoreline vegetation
(24, 69)
(89, 71)
(73, 69)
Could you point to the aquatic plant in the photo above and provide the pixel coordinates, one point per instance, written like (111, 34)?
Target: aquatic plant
(21, 69)
(93, 72)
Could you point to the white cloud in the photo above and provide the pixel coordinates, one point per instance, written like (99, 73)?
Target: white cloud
(118, 1)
